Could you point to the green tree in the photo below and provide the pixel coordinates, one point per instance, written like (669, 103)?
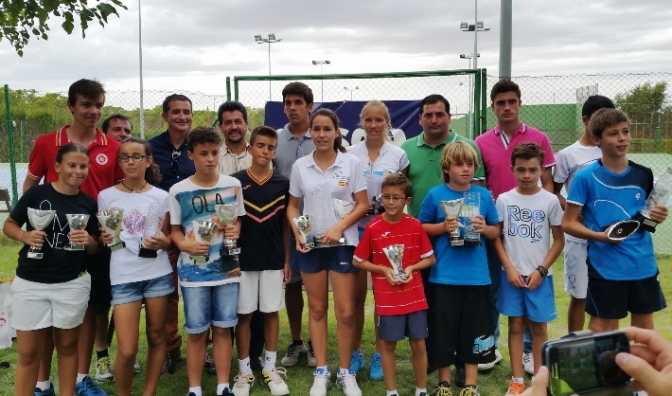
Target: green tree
(21, 19)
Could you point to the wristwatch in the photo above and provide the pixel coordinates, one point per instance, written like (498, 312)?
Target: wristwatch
(543, 271)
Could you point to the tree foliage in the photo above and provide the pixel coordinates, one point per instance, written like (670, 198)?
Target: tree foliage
(22, 19)
(643, 101)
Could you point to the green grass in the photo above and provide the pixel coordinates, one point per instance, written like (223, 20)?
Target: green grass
(300, 377)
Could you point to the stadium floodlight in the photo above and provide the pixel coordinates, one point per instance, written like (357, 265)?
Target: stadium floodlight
(321, 63)
(271, 39)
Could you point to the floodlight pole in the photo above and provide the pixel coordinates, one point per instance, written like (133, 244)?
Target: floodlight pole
(271, 39)
(471, 94)
(321, 62)
(142, 104)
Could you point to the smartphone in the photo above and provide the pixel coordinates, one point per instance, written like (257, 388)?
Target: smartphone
(585, 363)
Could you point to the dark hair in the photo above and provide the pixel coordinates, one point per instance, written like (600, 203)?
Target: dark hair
(174, 98)
(433, 99)
(263, 130)
(153, 173)
(106, 123)
(298, 88)
(338, 142)
(231, 106)
(70, 148)
(400, 180)
(202, 135)
(528, 151)
(594, 103)
(605, 118)
(502, 86)
(89, 89)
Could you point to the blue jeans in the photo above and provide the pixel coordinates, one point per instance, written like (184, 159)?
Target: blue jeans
(210, 305)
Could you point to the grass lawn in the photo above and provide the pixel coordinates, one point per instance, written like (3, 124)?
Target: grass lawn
(300, 377)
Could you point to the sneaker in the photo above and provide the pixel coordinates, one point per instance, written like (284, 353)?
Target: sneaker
(170, 363)
(443, 389)
(242, 384)
(310, 356)
(321, 382)
(88, 388)
(104, 370)
(491, 365)
(348, 384)
(49, 392)
(225, 392)
(471, 390)
(274, 382)
(375, 367)
(528, 363)
(191, 394)
(209, 365)
(136, 367)
(515, 388)
(357, 361)
(293, 354)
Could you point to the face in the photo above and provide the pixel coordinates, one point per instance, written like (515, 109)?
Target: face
(323, 133)
(394, 200)
(374, 122)
(435, 120)
(527, 172)
(87, 111)
(133, 160)
(205, 157)
(460, 174)
(119, 129)
(73, 169)
(506, 107)
(179, 116)
(296, 109)
(263, 150)
(233, 126)
(615, 140)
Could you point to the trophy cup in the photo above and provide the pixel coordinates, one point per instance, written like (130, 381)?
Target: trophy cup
(110, 220)
(304, 224)
(76, 222)
(452, 209)
(470, 208)
(395, 253)
(660, 195)
(622, 230)
(39, 219)
(342, 208)
(375, 206)
(226, 213)
(151, 229)
(204, 231)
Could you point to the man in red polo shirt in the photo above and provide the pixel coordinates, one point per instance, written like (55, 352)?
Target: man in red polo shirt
(85, 101)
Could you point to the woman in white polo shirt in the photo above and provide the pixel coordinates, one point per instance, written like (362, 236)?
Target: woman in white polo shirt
(318, 179)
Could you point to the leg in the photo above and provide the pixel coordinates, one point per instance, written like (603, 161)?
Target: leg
(517, 326)
(471, 372)
(45, 364)
(444, 374)
(294, 304)
(155, 316)
(539, 337)
(127, 317)
(644, 321)
(243, 336)
(221, 353)
(360, 301)
(173, 338)
(66, 349)
(87, 335)
(256, 336)
(271, 330)
(576, 314)
(343, 286)
(576, 283)
(196, 355)
(597, 325)
(30, 346)
(419, 361)
(316, 289)
(389, 363)
(102, 323)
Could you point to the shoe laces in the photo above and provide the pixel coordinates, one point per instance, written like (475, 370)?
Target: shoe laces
(470, 391)
(310, 348)
(375, 359)
(244, 378)
(89, 384)
(276, 375)
(291, 349)
(442, 390)
(349, 379)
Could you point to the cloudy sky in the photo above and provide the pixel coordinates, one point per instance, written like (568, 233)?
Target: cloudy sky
(194, 45)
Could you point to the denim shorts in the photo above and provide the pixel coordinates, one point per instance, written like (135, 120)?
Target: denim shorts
(125, 293)
(206, 306)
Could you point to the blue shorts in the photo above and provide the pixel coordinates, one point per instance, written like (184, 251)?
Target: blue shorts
(396, 327)
(206, 306)
(335, 258)
(537, 305)
(293, 261)
(125, 293)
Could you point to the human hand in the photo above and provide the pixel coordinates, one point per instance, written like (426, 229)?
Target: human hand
(649, 361)
(194, 247)
(33, 238)
(301, 244)
(450, 224)
(332, 235)
(390, 276)
(287, 271)
(659, 213)
(534, 280)
(408, 275)
(232, 231)
(478, 223)
(515, 278)
(79, 237)
(105, 236)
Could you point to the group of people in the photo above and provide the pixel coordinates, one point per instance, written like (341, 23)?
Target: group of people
(453, 233)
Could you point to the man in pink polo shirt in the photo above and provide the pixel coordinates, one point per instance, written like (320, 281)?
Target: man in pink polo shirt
(496, 146)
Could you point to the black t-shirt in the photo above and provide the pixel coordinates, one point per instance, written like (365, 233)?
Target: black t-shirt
(57, 265)
(261, 240)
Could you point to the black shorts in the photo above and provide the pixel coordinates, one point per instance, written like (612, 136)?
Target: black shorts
(462, 325)
(98, 266)
(611, 299)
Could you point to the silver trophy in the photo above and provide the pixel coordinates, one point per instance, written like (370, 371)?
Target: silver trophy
(76, 222)
(471, 208)
(151, 228)
(395, 253)
(204, 231)
(452, 209)
(226, 213)
(660, 195)
(40, 220)
(304, 224)
(342, 208)
(110, 220)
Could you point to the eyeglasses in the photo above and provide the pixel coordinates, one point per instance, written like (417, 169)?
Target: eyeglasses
(175, 164)
(392, 198)
(134, 157)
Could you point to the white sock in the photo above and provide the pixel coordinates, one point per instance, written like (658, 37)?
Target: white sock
(80, 377)
(343, 371)
(244, 366)
(269, 361)
(44, 385)
(418, 391)
(392, 393)
(221, 387)
(518, 380)
(196, 390)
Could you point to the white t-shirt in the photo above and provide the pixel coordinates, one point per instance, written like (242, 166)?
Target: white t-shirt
(527, 227)
(125, 265)
(318, 190)
(390, 160)
(569, 161)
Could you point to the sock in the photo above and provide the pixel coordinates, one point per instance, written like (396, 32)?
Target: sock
(418, 391)
(102, 354)
(269, 361)
(343, 371)
(196, 390)
(244, 366)
(80, 377)
(221, 387)
(518, 380)
(392, 393)
(43, 385)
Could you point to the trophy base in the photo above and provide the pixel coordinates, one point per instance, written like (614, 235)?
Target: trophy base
(646, 224)
(116, 246)
(468, 243)
(457, 242)
(147, 253)
(230, 252)
(35, 255)
(74, 248)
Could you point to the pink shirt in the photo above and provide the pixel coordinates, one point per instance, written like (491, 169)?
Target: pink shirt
(496, 152)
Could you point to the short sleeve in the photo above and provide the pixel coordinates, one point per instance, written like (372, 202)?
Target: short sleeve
(426, 247)
(295, 184)
(20, 210)
(358, 180)
(554, 211)
(175, 208)
(578, 191)
(37, 163)
(500, 205)
(363, 250)
(491, 216)
(479, 174)
(240, 204)
(549, 157)
(403, 161)
(561, 168)
(428, 209)
(92, 225)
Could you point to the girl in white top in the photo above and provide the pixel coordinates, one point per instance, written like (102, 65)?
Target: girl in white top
(379, 158)
(134, 278)
(326, 174)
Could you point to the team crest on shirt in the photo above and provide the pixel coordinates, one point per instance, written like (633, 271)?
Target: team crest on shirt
(246, 187)
(101, 159)
(638, 196)
(342, 179)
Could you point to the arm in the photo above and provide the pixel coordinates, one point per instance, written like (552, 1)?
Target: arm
(161, 241)
(534, 280)
(285, 241)
(448, 226)
(292, 213)
(419, 266)
(557, 187)
(13, 230)
(29, 182)
(572, 224)
(335, 232)
(490, 231)
(190, 246)
(512, 275)
(547, 179)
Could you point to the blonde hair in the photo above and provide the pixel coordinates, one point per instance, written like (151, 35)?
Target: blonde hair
(386, 114)
(457, 153)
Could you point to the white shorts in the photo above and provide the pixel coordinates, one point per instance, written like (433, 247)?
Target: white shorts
(38, 306)
(264, 289)
(576, 269)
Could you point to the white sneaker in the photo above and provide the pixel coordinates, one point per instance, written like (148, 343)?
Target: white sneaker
(528, 363)
(293, 354)
(242, 384)
(136, 367)
(321, 382)
(310, 357)
(348, 384)
(491, 365)
(104, 370)
(274, 382)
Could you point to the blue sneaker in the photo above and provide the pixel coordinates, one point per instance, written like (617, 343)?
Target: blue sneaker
(357, 361)
(49, 392)
(376, 368)
(88, 387)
